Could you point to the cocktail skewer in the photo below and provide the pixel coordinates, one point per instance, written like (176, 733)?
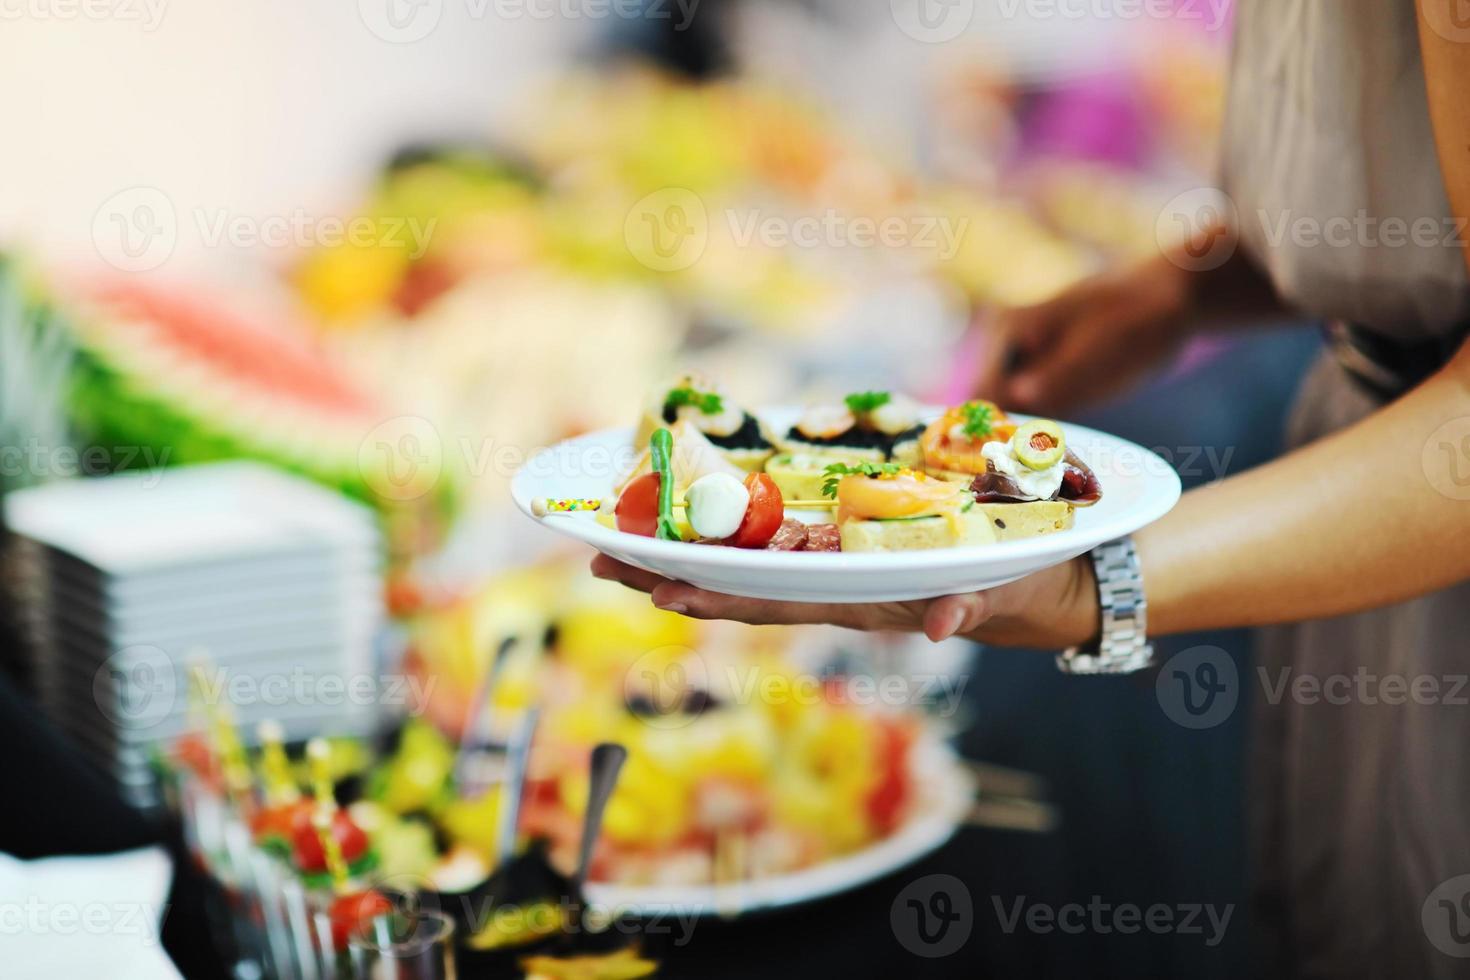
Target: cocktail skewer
(547, 506)
(277, 783)
(222, 737)
(350, 905)
(318, 756)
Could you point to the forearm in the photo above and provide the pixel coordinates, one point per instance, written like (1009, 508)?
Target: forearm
(1446, 76)
(1366, 517)
(1363, 518)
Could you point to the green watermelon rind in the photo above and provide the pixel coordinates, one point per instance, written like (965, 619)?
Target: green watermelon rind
(143, 427)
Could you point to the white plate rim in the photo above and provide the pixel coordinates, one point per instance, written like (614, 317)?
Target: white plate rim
(609, 539)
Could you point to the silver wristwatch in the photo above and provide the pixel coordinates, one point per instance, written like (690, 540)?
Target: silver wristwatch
(1123, 645)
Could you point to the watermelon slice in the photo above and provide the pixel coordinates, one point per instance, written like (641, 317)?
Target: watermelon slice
(185, 380)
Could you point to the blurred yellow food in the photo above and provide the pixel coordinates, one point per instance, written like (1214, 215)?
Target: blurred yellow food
(473, 823)
(728, 738)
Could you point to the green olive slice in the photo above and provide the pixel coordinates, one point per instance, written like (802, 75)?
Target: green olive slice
(1039, 445)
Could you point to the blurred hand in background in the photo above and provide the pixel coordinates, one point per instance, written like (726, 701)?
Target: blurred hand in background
(1094, 340)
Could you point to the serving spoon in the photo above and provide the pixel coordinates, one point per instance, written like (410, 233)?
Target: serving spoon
(607, 763)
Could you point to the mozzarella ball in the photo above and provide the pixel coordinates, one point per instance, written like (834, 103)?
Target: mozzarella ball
(716, 504)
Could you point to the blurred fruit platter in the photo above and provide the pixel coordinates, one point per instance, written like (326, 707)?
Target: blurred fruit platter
(757, 774)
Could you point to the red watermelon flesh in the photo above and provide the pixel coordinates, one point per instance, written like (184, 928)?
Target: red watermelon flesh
(280, 363)
(196, 382)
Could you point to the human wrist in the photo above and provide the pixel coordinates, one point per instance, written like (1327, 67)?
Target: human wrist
(1081, 623)
(1049, 610)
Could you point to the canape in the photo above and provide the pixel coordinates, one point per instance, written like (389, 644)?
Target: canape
(952, 446)
(871, 425)
(691, 398)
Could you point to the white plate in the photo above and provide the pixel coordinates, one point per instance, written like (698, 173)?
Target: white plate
(946, 793)
(1138, 487)
(163, 522)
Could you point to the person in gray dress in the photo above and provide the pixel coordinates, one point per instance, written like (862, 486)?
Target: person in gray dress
(1346, 162)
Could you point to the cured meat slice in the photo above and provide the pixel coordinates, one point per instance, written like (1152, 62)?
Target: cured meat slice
(823, 537)
(790, 536)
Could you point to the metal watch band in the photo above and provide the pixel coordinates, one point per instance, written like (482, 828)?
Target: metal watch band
(1123, 645)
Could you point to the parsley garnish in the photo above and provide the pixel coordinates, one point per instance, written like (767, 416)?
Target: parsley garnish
(707, 402)
(863, 402)
(978, 418)
(836, 471)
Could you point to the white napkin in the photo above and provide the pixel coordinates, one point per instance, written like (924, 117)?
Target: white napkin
(85, 916)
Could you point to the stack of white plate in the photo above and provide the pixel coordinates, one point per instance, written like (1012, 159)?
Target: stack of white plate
(269, 583)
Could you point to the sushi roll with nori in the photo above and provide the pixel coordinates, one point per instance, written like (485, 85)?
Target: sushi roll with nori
(739, 436)
(871, 425)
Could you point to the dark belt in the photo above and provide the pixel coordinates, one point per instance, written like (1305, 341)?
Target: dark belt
(1384, 367)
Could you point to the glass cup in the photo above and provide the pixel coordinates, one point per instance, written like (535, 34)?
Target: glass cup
(404, 945)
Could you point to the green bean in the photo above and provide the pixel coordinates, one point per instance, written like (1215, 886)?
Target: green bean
(661, 450)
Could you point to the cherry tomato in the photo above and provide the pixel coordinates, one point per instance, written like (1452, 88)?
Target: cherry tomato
(347, 911)
(637, 509)
(763, 515)
(277, 823)
(306, 846)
